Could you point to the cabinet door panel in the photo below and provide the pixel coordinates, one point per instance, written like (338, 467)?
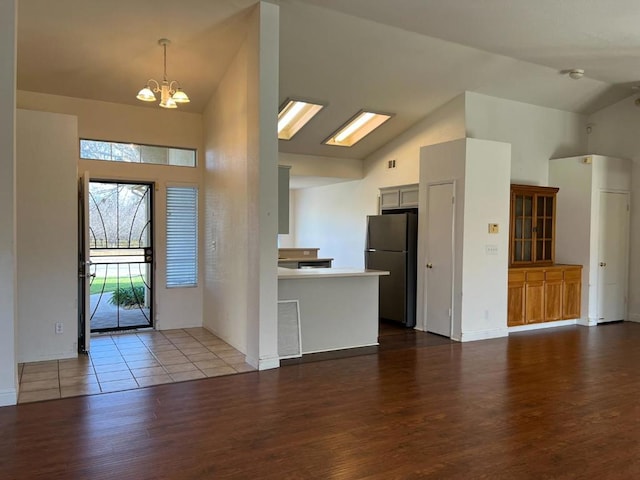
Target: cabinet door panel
(571, 295)
(515, 307)
(390, 198)
(534, 302)
(553, 301)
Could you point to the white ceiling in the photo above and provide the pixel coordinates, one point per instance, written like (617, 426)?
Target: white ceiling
(403, 56)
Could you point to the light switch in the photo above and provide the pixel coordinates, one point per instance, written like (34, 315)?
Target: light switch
(491, 249)
(494, 228)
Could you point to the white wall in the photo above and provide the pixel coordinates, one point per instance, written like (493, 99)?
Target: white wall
(440, 163)
(333, 217)
(147, 124)
(480, 170)
(573, 218)
(226, 251)
(578, 219)
(8, 293)
(241, 207)
(263, 170)
(317, 166)
(175, 307)
(536, 134)
(47, 226)
(487, 198)
(615, 133)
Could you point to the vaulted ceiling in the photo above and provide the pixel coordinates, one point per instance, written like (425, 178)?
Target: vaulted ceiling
(403, 56)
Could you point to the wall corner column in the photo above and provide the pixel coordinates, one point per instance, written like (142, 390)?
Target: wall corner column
(8, 303)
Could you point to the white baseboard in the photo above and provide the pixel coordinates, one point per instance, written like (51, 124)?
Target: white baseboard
(540, 326)
(251, 361)
(8, 396)
(267, 363)
(483, 334)
(46, 358)
(587, 322)
(341, 348)
(634, 317)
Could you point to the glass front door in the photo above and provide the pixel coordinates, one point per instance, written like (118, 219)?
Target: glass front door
(121, 255)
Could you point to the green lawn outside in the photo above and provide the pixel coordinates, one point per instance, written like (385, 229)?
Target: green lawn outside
(111, 283)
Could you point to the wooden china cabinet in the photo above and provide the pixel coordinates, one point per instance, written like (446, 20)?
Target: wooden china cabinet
(539, 290)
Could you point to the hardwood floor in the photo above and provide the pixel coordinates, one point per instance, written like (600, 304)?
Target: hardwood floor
(561, 403)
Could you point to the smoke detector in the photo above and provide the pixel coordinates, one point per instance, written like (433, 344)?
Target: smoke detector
(576, 73)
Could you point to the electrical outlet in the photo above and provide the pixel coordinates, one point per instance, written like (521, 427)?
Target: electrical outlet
(59, 328)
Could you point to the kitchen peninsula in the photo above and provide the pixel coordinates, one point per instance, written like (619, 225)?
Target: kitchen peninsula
(338, 306)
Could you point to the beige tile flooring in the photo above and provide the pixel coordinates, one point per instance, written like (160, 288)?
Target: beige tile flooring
(131, 360)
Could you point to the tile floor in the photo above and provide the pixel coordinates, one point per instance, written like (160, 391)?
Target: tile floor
(132, 360)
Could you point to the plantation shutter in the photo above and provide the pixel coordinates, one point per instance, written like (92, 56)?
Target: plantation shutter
(182, 236)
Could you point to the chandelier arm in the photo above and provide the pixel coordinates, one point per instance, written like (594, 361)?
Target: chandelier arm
(173, 86)
(156, 86)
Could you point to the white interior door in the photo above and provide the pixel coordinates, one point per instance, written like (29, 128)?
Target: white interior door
(613, 238)
(84, 266)
(439, 267)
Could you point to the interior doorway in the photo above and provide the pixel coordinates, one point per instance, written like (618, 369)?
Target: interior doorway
(120, 255)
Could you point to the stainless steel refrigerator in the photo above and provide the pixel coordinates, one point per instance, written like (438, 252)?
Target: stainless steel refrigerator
(392, 241)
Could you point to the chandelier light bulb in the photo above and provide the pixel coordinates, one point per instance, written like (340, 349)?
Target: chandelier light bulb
(180, 96)
(146, 95)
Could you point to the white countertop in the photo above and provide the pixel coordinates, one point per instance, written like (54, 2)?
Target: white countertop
(289, 273)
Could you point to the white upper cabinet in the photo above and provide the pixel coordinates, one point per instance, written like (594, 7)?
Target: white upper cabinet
(401, 196)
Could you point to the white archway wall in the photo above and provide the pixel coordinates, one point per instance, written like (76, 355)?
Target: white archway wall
(614, 132)
(8, 298)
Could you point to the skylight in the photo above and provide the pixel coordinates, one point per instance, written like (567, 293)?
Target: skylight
(293, 115)
(361, 125)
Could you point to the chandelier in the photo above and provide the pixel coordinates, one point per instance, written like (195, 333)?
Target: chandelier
(170, 92)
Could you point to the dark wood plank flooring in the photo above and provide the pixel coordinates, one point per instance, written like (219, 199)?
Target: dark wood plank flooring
(561, 403)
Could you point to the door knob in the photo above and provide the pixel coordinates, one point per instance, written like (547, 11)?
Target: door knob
(429, 265)
(603, 264)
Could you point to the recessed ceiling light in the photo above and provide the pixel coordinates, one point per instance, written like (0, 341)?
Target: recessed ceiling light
(293, 115)
(358, 127)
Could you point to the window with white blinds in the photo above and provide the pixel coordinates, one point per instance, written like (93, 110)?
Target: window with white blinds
(182, 236)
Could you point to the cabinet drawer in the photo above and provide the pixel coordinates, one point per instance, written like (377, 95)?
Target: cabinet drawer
(553, 276)
(573, 274)
(536, 276)
(516, 277)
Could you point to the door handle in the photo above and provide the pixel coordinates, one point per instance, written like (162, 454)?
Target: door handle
(603, 264)
(87, 275)
(429, 265)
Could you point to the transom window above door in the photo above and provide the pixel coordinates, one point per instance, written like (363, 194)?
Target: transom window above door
(135, 153)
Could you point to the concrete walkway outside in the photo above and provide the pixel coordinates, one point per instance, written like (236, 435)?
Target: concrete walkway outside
(105, 315)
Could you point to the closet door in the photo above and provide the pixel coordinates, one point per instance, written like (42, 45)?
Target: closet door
(613, 254)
